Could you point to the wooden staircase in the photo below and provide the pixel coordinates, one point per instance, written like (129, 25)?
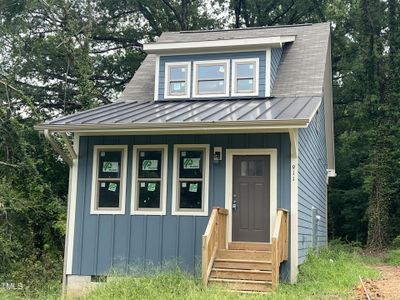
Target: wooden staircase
(242, 266)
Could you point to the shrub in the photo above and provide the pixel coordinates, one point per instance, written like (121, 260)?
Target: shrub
(396, 242)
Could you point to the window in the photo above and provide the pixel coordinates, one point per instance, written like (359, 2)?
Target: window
(149, 190)
(191, 170)
(211, 78)
(245, 77)
(108, 184)
(177, 80)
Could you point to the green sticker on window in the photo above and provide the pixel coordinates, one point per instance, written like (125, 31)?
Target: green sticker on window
(110, 167)
(193, 187)
(191, 163)
(112, 187)
(150, 165)
(151, 186)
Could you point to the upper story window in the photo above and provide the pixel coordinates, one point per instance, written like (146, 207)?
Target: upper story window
(177, 80)
(245, 76)
(211, 78)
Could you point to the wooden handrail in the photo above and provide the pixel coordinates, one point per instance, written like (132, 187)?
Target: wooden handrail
(214, 238)
(280, 246)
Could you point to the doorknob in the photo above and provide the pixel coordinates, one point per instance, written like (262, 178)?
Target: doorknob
(234, 205)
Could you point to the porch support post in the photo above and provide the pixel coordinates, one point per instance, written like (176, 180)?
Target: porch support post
(294, 255)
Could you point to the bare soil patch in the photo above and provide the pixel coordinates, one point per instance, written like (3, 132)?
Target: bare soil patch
(387, 287)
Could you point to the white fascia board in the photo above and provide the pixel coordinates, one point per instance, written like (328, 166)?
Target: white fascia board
(206, 46)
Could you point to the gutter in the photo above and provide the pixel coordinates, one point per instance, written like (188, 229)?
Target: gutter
(177, 127)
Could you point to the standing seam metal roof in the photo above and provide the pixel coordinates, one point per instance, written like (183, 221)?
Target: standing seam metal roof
(194, 111)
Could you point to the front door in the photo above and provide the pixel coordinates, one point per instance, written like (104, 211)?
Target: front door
(251, 198)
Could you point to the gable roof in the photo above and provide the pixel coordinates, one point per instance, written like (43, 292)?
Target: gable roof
(300, 73)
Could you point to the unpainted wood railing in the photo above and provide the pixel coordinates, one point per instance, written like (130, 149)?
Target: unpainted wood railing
(280, 246)
(214, 239)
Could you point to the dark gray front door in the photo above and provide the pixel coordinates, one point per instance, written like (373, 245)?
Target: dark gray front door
(251, 198)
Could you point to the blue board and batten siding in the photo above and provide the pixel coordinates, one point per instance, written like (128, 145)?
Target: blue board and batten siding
(312, 185)
(105, 242)
(261, 55)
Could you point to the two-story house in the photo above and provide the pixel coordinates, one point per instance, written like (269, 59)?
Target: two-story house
(217, 155)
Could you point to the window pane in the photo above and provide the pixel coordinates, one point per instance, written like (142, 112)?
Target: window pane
(150, 164)
(110, 164)
(190, 194)
(245, 70)
(149, 194)
(109, 194)
(245, 85)
(211, 87)
(177, 73)
(191, 164)
(178, 87)
(211, 72)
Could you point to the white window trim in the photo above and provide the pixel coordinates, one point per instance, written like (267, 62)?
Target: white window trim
(168, 65)
(121, 209)
(256, 74)
(164, 176)
(195, 78)
(175, 188)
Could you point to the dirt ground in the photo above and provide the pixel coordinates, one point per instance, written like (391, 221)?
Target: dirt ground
(387, 287)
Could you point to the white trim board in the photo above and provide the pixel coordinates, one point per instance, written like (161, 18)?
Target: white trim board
(157, 78)
(124, 169)
(294, 198)
(164, 178)
(206, 181)
(216, 45)
(268, 68)
(230, 153)
(71, 212)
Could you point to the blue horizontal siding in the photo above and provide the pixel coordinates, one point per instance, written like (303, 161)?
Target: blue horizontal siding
(216, 56)
(312, 184)
(123, 242)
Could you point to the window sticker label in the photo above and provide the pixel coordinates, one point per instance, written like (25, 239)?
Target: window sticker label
(191, 163)
(112, 187)
(142, 184)
(150, 165)
(103, 184)
(102, 154)
(110, 167)
(184, 184)
(193, 187)
(183, 153)
(142, 154)
(151, 186)
(251, 67)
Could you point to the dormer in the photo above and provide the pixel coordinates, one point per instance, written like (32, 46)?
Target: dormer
(216, 69)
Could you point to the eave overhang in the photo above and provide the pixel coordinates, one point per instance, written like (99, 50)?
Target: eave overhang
(244, 44)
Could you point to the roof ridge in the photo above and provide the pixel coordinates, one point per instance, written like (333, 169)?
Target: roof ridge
(246, 28)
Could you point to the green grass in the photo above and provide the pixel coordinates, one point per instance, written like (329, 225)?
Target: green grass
(392, 257)
(332, 274)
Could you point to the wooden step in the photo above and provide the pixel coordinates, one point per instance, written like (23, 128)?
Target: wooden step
(241, 274)
(244, 254)
(243, 264)
(243, 285)
(249, 246)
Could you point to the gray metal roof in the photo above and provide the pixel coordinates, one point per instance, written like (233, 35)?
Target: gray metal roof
(300, 73)
(131, 114)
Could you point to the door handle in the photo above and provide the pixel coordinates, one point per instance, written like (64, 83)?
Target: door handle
(234, 204)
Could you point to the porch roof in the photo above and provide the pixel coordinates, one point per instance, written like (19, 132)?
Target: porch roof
(266, 112)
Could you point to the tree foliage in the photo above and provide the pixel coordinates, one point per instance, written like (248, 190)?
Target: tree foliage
(61, 56)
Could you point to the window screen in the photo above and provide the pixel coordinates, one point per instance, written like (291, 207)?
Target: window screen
(211, 78)
(177, 84)
(245, 77)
